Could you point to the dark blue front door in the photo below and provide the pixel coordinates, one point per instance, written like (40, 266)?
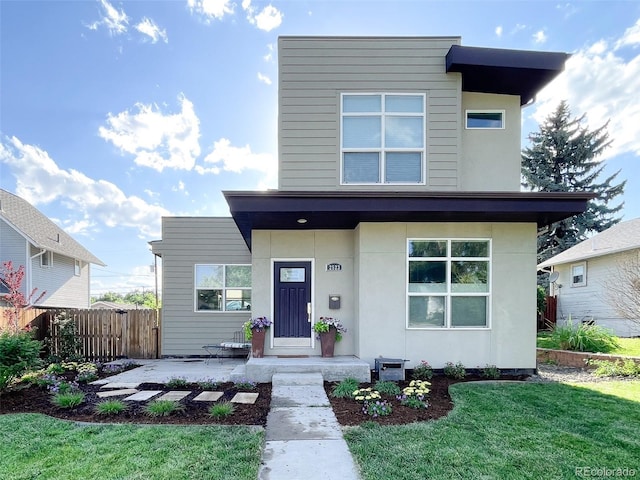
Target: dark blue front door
(292, 302)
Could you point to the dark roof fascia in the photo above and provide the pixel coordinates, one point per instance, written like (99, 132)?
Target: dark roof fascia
(503, 71)
(277, 210)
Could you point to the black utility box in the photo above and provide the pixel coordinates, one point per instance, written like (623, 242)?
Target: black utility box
(390, 369)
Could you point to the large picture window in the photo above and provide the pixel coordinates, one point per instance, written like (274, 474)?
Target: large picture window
(448, 283)
(383, 138)
(223, 288)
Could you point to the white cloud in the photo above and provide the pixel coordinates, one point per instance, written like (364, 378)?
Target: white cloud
(157, 140)
(114, 20)
(498, 31)
(268, 18)
(631, 36)
(149, 28)
(211, 9)
(238, 159)
(603, 85)
(540, 37)
(518, 28)
(39, 180)
(269, 56)
(180, 188)
(264, 78)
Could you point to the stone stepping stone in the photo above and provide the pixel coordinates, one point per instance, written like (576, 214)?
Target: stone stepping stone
(174, 395)
(143, 395)
(118, 385)
(208, 397)
(117, 393)
(247, 398)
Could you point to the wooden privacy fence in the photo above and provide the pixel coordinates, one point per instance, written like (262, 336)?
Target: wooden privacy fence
(104, 335)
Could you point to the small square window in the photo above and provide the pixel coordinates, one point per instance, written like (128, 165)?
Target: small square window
(579, 275)
(485, 119)
(46, 259)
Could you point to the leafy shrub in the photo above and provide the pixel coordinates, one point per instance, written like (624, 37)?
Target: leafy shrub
(19, 352)
(620, 368)
(67, 347)
(56, 369)
(222, 409)
(581, 337)
(387, 388)
(345, 388)
(68, 399)
(162, 408)
(177, 382)
(422, 371)
(490, 371)
(456, 371)
(110, 407)
(377, 408)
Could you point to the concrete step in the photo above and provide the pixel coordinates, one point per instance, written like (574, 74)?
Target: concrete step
(297, 379)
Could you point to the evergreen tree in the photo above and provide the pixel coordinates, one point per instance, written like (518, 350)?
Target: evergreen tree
(563, 157)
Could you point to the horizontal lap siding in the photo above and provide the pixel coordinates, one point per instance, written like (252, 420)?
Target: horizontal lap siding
(187, 241)
(314, 71)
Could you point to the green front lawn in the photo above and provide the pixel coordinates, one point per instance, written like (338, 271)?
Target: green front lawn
(628, 346)
(36, 446)
(510, 431)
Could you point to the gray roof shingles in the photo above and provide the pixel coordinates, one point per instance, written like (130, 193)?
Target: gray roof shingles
(39, 230)
(619, 238)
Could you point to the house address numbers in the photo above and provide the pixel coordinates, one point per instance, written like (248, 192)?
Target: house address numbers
(334, 267)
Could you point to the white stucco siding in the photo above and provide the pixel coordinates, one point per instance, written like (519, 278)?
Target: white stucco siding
(491, 157)
(509, 342)
(590, 302)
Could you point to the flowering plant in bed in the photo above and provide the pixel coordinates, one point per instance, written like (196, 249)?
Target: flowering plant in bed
(257, 324)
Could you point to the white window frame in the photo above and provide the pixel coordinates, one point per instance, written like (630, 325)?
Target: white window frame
(382, 150)
(471, 111)
(77, 267)
(583, 283)
(224, 288)
(48, 263)
(448, 294)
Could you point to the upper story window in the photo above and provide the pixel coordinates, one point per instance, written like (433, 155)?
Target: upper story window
(579, 274)
(46, 259)
(77, 268)
(223, 288)
(484, 119)
(383, 138)
(448, 283)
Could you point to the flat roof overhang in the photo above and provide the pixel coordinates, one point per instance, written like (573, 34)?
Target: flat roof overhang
(277, 210)
(502, 71)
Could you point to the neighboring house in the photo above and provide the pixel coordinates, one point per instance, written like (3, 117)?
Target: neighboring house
(398, 210)
(53, 261)
(104, 305)
(584, 275)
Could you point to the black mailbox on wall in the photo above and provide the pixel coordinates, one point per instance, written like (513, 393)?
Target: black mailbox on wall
(334, 302)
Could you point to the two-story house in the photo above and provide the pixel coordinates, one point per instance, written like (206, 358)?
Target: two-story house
(53, 261)
(398, 210)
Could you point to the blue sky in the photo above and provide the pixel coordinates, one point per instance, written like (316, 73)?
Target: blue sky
(116, 113)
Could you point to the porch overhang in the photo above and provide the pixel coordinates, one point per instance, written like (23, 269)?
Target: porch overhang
(502, 71)
(278, 210)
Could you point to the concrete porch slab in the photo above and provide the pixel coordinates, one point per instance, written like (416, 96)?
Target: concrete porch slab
(332, 369)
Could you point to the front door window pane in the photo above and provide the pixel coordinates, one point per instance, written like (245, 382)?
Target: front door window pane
(426, 311)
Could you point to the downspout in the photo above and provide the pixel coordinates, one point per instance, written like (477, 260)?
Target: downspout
(30, 275)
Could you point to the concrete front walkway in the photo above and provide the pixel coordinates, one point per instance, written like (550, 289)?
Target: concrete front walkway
(303, 437)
